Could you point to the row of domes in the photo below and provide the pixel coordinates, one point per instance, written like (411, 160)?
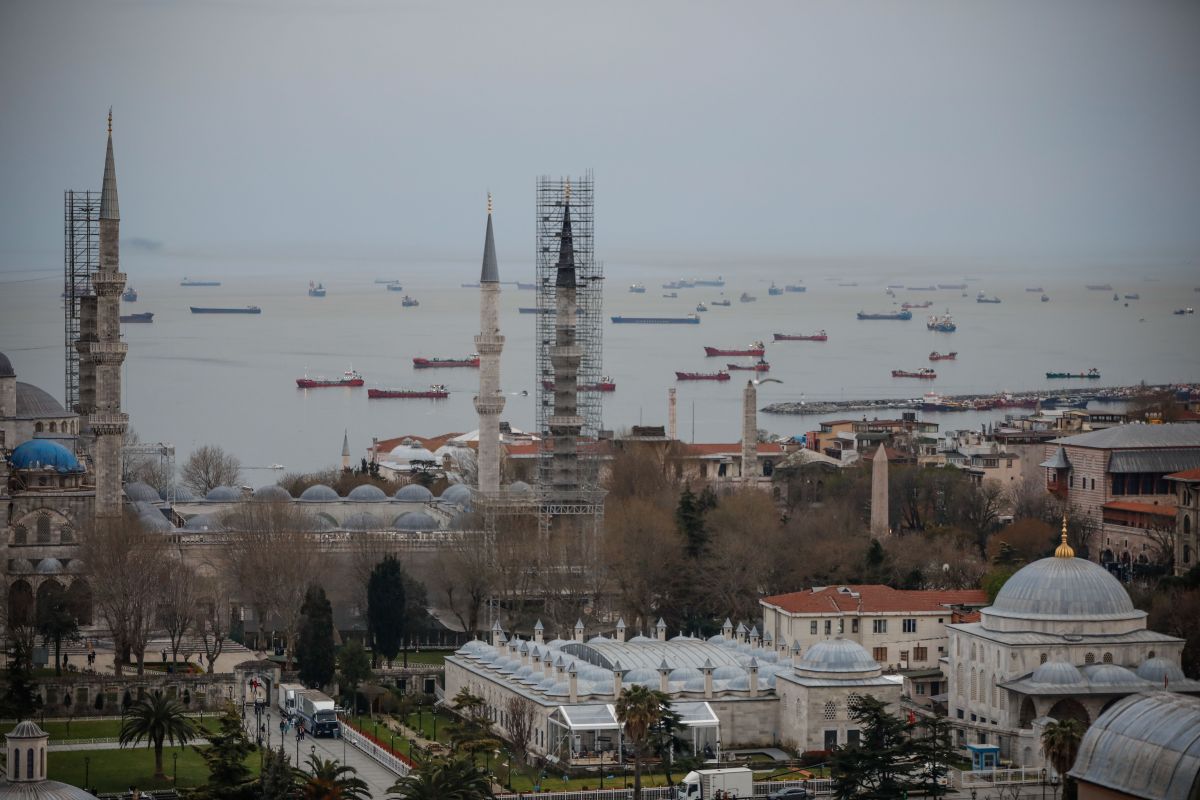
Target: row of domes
(1150, 674)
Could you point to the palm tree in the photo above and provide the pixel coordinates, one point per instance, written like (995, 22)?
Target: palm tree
(444, 779)
(1060, 740)
(154, 719)
(331, 780)
(638, 710)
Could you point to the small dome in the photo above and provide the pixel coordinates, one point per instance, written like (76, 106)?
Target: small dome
(413, 493)
(45, 454)
(21, 565)
(838, 655)
(1158, 668)
(321, 522)
(182, 494)
(415, 521)
(362, 521)
(1112, 675)
(640, 639)
(141, 492)
(319, 493)
(203, 523)
(366, 493)
(154, 521)
(77, 566)
(27, 729)
(271, 493)
(410, 452)
(457, 493)
(685, 674)
(643, 675)
(6, 368)
(223, 494)
(520, 487)
(728, 672)
(1057, 673)
(49, 566)
(694, 685)
(1056, 588)
(718, 639)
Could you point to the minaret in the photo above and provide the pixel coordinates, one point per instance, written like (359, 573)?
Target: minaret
(749, 432)
(565, 356)
(345, 451)
(879, 494)
(107, 352)
(490, 401)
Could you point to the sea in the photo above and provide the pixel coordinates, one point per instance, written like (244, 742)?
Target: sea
(230, 380)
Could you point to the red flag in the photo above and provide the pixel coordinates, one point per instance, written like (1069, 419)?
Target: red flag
(912, 718)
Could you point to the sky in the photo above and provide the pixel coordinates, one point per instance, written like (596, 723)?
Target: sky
(1058, 132)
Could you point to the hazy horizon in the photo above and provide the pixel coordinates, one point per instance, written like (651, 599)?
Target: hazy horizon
(919, 133)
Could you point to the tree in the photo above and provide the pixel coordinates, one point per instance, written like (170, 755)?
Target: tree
(177, 601)
(1060, 741)
(228, 776)
(277, 780)
(316, 639)
(472, 731)
(213, 618)
(19, 700)
(520, 724)
(386, 608)
(935, 751)
(882, 765)
(56, 621)
(664, 740)
(329, 779)
(1029, 539)
(689, 518)
(465, 578)
(354, 667)
(210, 467)
(443, 779)
(638, 710)
(155, 719)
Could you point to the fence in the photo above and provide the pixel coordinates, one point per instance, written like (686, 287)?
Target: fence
(378, 752)
(816, 786)
(986, 778)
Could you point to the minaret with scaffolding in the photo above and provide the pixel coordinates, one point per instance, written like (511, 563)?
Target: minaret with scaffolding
(489, 403)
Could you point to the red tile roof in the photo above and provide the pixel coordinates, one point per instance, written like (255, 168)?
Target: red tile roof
(873, 598)
(1140, 508)
(735, 449)
(1187, 475)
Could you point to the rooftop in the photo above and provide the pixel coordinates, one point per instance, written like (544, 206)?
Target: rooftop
(1187, 475)
(1141, 508)
(1123, 436)
(872, 598)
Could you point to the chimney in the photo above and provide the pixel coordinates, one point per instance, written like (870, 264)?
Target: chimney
(497, 634)
(754, 636)
(538, 630)
(767, 641)
(524, 651)
(560, 667)
(663, 672)
(547, 665)
(579, 630)
(621, 629)
(660, 630)
(727, 629)
(707, 669)
(536, 653)
(754, 677)
(672, 432)
(618, 674)
(796, 653)
(741, 632)
(573, 683)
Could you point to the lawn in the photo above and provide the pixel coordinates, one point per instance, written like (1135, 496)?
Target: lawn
(436, 658)
(61, 730)
(117, 770)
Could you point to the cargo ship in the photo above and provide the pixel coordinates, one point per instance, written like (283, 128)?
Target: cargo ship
(243, 310)
(1179, 312)
(921, 288)
(905, 314)
(690, 319)
(926, 304)
(936, 356)
(606, 384)
(526, 286)
(924, 372)
(983, 298)
(386, 280)
(1134, 296)
(932, 401)
(408, 302)
(720, 281)
(1100, 287)
(1091, 373)
(671, 295)
(129, 295)
(719, 375)
(1034, 289)
(190, 282)
(942, 323)
(428, 363)
(316, 290)
(700, 307)
(774, 291)
(819, 336)
(534, 310)
(722, 303)
(436, 391)
(959, 286)
(395, 287)
(747, 298)
(795, 287)
(753, 349)
(350, 377)
(145, 316)
(465, 286)
(637, 288)
(757, 366)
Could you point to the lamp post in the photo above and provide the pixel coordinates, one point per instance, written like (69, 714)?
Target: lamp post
(601, 767)
(1054, 785)
(87, 770)
(175, 760)
(268, 729)
(1043, 783)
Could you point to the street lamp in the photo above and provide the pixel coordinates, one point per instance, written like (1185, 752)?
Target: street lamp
(87, 770)
(1043, 783)
(175, 760)
(601, 767)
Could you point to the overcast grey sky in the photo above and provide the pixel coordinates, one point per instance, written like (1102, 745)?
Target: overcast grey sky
(1054, 130)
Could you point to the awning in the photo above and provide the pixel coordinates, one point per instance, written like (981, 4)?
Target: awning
(1140, 508)
(695, 714)
(592, 717)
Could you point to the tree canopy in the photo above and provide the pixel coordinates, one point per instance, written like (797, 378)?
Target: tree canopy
(386, 608)
(317, 657)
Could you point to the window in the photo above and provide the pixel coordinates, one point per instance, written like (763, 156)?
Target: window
(831, 740)
(841, 626)
(1071, 483)
(960, 716)
(67, 535)
(959, 682)
(830, 710)
(974, 685)
(920, 688)
(43, 529)
(852, 737)
(1090, 658)
(910, 626)
(879, 654)
(1108, 658)
(17, 764)
(812, 628)
(828, 627)
(903, 656)
(29, 763)
(879, 626)
(20, 535)
(854, 622)
(920, 653)
(1042, 659)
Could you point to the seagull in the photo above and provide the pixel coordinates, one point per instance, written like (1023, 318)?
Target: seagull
(759, 381)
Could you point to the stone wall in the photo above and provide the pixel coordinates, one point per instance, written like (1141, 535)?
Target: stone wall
(195, 692)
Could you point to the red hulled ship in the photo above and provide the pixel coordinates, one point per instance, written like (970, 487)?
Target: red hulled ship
(926, 304)
(719, 375)
(428, 363)
(819, 336)
(936, 356)
(350, 377)
(435, 392)
(923, 372)
(759, 366)
(755, 349)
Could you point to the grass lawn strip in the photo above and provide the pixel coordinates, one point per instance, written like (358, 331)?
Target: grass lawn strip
(117, 770)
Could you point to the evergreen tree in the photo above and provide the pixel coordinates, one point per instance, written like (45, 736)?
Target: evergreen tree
(881, 767)
(278, 780)
(354, 667)
(934, 751)
(228, 776)
(55, 622)
(19, 700)
(689, 518)
(316, 639)
(386, 617)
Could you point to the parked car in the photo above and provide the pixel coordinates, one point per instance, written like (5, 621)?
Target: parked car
(790, 793)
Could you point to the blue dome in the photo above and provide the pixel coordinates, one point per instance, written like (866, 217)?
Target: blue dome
(413, 493)
(44, 454)
(271, 493)
(458, 493)
(182, 494)
(362, 521)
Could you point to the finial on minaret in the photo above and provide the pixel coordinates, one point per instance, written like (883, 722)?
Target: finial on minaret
(110, 120)
(1064, 550)
(489, 204)
(567, 190)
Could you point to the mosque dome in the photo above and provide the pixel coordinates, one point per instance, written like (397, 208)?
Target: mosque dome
(640, 639)
(182, 494)
(642, 675)
(362, 521)
(141, 492)
(457, 493)
(154, 521)
(223, 494)
(367, 493)
(6, 367)
(727, 672)
(413, 493)
(520, 487)
(410, 452)
(415, 521)
(319, 493)
(1113, 675)
(49, 566)
(1057, 673)
(1060, 588)
(271, 493)
(1158, 668)
(45, 454)
(837, 656)
(321, 522)
(202, 523)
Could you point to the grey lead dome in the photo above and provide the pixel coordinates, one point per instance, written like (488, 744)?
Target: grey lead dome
(838, 655)
(1057, 588)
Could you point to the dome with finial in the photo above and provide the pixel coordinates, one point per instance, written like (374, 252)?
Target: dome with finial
(26, 746)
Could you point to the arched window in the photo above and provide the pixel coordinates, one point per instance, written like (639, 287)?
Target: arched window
(972, 651)
(42, 774)
(54, 427)
(1150, 654)
(974, 686)
(20, 534)
(830, 710)
(67, 535)
(29, 763)
(1042, 659)
(1090, 658)
(38, 427)
(43, 529)
(1108, 658)
(16, 763)
(995, 694)
(961, 688)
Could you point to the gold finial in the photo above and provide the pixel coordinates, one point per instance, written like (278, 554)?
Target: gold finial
(489, 204)
(1064, 550)
(110, 119)
(567, 190)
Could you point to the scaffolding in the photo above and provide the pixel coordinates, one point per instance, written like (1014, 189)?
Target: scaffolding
(81, 259)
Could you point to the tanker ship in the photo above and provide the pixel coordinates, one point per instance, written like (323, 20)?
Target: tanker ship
(436, 391)
(753, 349)
(350, 377)
(428, 363)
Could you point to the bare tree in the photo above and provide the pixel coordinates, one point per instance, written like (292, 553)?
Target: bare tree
(210, 467)
(520, 724)
(177, 601)
(126, 557)
(211, 623)
(465, 580)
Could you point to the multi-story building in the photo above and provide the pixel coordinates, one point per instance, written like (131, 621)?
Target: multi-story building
(1187, 517)
(849, 439)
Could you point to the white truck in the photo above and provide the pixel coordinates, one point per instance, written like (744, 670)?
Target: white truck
(317, 712)
(287, 695)
(705, 784)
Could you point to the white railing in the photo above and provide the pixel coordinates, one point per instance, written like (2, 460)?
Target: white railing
(817, 786)
(379, 754)
(983, 778)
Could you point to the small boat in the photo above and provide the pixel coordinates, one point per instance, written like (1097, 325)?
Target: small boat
(924, 372)
(926, 304)
(408, 302)
(277, 466)
(671, 295)
(145, 316)
(952, 286)
(819, 336)
(753, 349)
(436, 391)
(465, 286)
(1045, 298)
(936, 356)
(526, 287)
(922, 288)
(757, 366)
(932, 401)
(1100, 287)
(895, 286)
(429, 363)
(386, 280)
(1034, 289)
(719, 375)
(129, 295)
(904, 314)
(720, 281)
(350, 377)
(690, 319)
(942, 323)
(983, 298)
(747, 298)
(722, 303)
(774, 291)
(316, 290)
(605, 384)
(1091, 373)
(190, 282)
(1181, 311)
(637, 288)
(1116, 298)
(395, 287)
(1134, 296)
(795, 287)
(849, 283)
(700, 307)
(244, 310)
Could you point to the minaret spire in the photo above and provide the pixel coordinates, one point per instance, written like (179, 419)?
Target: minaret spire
(566, 356)
(489, 403)
(1064, 550)
(108, 191)
(490, 273)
